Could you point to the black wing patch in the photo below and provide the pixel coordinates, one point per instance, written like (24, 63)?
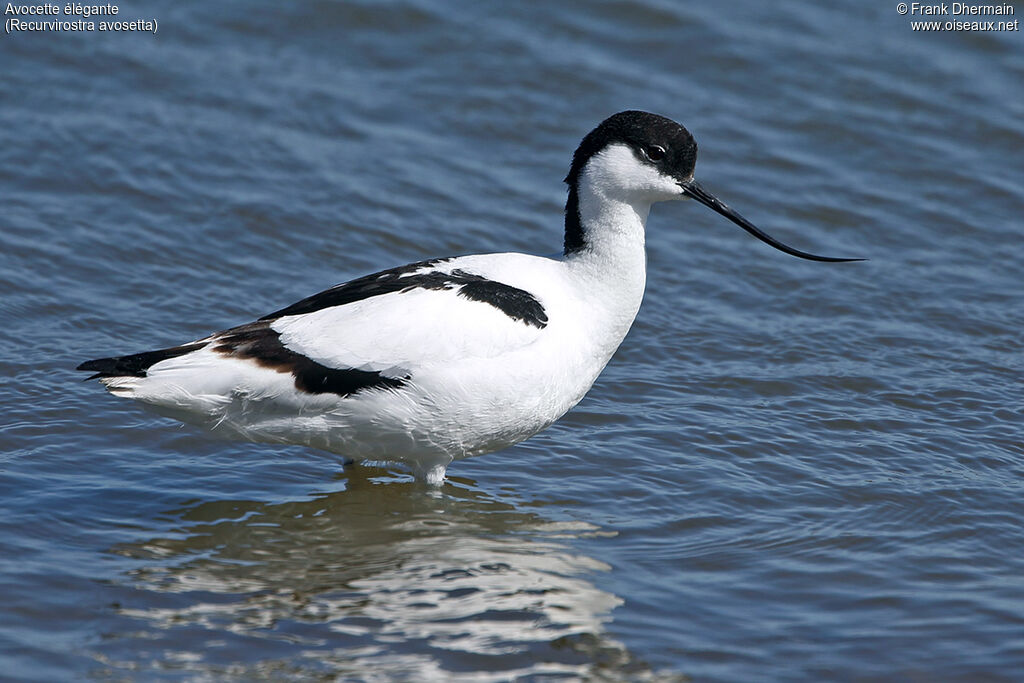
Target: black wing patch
(136, 364)
(385, 282)
(258, 342)
(516, 303)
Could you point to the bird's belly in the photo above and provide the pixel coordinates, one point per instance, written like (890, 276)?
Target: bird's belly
(445, 412)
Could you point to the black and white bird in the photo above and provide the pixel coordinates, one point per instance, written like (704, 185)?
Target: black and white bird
(448, 358)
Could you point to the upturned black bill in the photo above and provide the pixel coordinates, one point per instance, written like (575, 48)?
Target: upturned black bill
(695, 191)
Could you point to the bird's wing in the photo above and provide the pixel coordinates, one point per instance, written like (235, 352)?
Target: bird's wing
(374, 332)
(401, 319)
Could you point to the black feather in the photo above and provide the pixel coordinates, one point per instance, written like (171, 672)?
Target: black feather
(259, 342)
(516, 303)
(136, 364)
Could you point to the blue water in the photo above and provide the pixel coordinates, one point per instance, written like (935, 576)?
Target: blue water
(790, 470)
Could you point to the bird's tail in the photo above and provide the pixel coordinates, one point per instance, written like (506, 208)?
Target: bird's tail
(136, 364)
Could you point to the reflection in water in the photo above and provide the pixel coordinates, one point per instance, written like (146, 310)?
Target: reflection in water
(377, 580)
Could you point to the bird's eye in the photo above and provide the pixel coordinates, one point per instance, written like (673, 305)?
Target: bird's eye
(655, 152)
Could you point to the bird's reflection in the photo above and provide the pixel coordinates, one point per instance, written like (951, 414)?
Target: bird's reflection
(383, 576)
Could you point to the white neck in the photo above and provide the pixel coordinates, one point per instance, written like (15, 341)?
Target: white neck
(612, 265)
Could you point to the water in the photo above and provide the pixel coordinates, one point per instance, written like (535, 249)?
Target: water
(790, 470)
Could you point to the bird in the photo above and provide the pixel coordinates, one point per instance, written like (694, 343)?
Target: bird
(445, 358)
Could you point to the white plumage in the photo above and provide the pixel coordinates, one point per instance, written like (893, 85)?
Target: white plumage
(443, 359)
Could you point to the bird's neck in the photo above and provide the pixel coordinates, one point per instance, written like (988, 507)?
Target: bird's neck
(604, 249)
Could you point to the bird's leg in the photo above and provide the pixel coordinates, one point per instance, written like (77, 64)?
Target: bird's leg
(431, 472)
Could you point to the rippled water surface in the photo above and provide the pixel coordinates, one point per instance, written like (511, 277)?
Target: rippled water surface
(790, 470)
